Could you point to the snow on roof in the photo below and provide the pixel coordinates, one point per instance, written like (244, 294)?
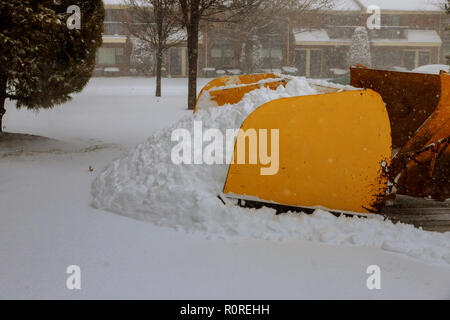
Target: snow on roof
(405, 5)
(181, 35)
(335, 5)
(358, 5)
(317, 37)
(307, 35)
(413, 38)
(346, 5)
(113, 1)
(430, 36)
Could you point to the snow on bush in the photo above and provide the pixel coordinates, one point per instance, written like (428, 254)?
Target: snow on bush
(145, 184)
(143, 58)
(359, 52)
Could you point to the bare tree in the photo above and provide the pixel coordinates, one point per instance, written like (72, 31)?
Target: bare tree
(250, 18)
(156, 23)
(269, 18)
(253, 26)
(193, 12)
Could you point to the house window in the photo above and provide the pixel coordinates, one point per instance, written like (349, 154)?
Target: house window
(178, 61)
(272, 53)
(390, 28)
(222, 55)
(416, 58)
(390, 20)
(424, 58)
(119, 56)
(113, 24)
(114, 15)
(110, 56)
(309, 62)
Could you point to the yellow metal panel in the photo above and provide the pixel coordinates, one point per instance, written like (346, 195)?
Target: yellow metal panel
(234, 95)
(332, 149)
(241, 85)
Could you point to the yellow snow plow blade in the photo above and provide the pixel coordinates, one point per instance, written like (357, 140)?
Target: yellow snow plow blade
(419, 111)
(426, 172)
(331, 152)
(231, 89)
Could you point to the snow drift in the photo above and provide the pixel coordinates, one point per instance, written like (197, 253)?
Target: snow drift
(145, 184)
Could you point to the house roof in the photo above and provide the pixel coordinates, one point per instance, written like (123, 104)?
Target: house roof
(358, 5)
(113, 1)
(423, 36)
(346, 5)
(414, 37)
(317, 37)
(404, 5)
(114, 39)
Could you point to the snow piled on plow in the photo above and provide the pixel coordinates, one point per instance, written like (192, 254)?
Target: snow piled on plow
(146, 185)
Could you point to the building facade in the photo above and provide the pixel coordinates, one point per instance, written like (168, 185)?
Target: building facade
(114, 54)
(405, 40)
(411, 34)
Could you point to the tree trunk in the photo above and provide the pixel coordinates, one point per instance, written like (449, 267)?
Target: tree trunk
(248, 56)
(159, 19)
(192, 43)
(3, 82)
(158, 72)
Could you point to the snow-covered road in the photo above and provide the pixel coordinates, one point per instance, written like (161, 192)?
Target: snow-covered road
(47, 222)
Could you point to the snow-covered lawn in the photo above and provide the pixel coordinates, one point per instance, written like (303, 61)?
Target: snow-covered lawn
(47, 221)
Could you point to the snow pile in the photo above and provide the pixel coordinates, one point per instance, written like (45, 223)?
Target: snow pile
(205, 101)
(432, 68)
(145, 184)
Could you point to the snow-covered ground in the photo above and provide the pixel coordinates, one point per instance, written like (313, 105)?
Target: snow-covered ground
(47, 221)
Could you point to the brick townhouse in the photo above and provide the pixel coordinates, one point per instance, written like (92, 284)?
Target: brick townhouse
(412, 33)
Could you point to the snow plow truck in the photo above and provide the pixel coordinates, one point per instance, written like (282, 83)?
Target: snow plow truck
(346, 151)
